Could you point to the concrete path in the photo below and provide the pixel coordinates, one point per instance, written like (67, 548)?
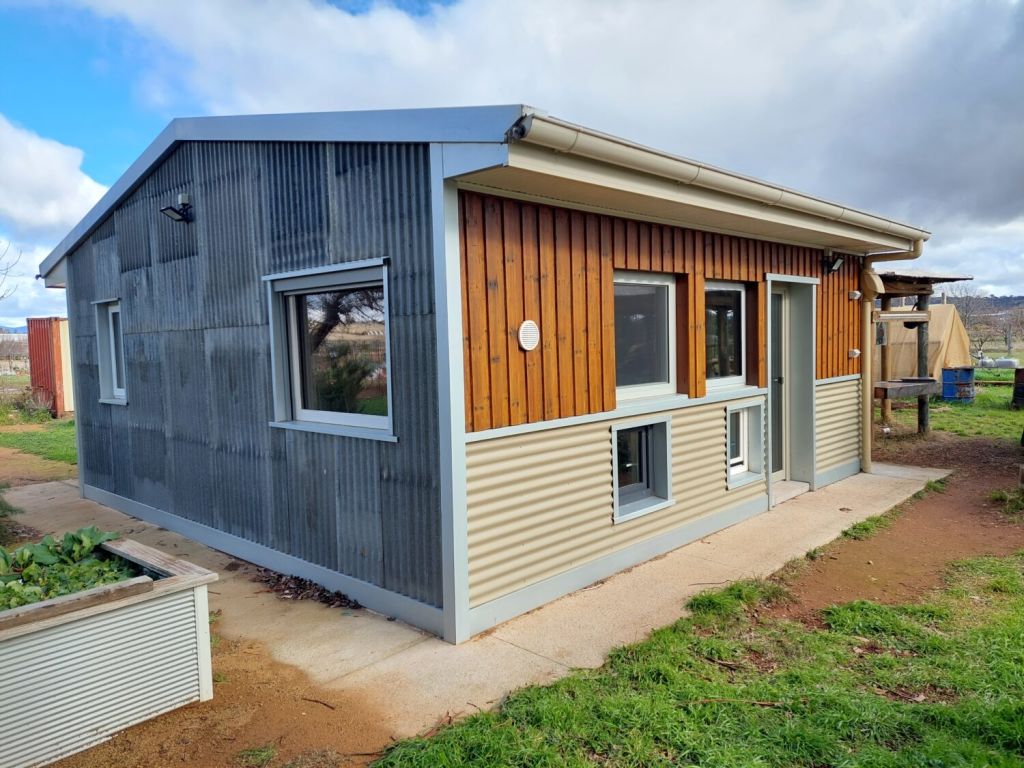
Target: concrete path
(417, 679)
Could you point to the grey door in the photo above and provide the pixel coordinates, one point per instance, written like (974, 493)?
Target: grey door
(777, 384)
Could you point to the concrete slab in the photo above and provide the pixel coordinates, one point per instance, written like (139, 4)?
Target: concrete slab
(417, 679)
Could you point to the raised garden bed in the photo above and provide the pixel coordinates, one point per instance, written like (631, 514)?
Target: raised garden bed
(80, 667)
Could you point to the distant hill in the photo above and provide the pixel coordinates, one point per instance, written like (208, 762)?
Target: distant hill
(9, 329)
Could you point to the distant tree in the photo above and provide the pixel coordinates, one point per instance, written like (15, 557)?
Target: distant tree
(1013, 327)
(7, 265)
(977, 314)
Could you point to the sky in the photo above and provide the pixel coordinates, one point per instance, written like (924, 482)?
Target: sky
(913, 109)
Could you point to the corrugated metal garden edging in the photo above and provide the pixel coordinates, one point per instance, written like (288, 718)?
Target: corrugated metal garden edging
(75, 676)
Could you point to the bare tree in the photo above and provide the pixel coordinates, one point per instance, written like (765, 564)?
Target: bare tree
(7, 265)
(1013, 327)
(977, 314)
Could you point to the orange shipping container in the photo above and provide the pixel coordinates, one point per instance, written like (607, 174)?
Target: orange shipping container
(49, 359)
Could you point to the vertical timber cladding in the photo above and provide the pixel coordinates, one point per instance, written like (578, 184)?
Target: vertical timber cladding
(526, 261)
(194, 439)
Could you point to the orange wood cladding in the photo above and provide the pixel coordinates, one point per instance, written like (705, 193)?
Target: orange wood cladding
(556, 266)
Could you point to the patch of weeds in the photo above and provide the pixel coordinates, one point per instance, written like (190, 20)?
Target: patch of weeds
(6, 510)
(220, 677)
(935, 486)
(1012, 502)
(733, 601)
(256, 757)
(867, 528)
(815, 554)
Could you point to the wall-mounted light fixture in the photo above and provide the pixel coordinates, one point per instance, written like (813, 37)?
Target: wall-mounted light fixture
(855, 295)
(833, 261)
(854, 354)
(180, 212)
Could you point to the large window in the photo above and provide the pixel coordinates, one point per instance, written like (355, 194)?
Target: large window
(335, 329)
(642, 468)
(745, 442)
(110, 352)
(725, 331)
(644, 334)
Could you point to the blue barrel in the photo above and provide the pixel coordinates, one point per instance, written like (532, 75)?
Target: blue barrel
(958, 384)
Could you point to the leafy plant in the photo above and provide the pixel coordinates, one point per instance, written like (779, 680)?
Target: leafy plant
(52, 568)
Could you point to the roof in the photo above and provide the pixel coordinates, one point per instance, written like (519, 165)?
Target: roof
(921, 276)
(486, 125)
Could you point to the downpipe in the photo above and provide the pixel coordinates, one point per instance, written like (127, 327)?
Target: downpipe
(870, 288)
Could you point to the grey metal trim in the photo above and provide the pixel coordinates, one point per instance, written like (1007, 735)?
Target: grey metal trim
(502, 609)
(105, 301)
(661, 445)
(343, 267)
(772, 276)
(748, 477)
(373, 597)
(487, 124)
(76, 385)
(460, 159)
(342, 430)
(837, 379)
(640, 407)
(113, 401)
(837, 473)
(451, 396)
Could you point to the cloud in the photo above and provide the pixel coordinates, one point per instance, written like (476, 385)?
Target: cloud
(912, 109)
(30, 298)
(43, 192)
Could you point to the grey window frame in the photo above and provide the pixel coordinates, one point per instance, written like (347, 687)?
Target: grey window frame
(753, 424)
(659, 456)
(282, 289)
(107, 342)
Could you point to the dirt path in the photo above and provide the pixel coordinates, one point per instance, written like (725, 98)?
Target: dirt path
(907, 559)
(257, 702)
(17, 468)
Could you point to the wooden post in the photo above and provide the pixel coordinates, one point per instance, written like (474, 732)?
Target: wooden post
(885, 368)
(923, 424)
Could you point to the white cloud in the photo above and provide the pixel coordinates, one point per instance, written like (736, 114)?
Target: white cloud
(43, 190)
(30, 297)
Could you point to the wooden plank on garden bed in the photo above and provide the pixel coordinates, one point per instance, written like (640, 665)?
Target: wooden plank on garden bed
(153, 559)
(58, 606)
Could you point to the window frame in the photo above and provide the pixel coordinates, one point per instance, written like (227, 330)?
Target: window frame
(752, 441)
(631, 392)
(716, 383)
(107, 343)
(659, 470)
(282, 290)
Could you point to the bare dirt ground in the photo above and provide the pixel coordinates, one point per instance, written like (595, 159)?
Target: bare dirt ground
(902, 562)
(258, 701)
(17, 468)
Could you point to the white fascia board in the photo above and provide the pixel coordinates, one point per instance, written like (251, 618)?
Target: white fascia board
(569, 139)
(473, 125)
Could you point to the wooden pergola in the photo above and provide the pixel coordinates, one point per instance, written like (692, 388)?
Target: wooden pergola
(921, 286)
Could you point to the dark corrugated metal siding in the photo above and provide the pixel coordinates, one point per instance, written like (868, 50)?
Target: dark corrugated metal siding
(194, 438)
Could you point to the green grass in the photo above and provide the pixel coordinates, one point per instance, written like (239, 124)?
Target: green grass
(932, 684)
(256, 757)
(6, 510)
(993, 374)
(54, 440)
(12, 381)
(868, 527)
(1012, 502)
(989, 415)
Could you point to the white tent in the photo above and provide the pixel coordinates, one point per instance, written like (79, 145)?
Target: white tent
(948, 345)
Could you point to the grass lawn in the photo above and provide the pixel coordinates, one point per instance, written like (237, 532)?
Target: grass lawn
(53, 440)
(993, 374)
(14, 381)
(989, 415)
(936, 684)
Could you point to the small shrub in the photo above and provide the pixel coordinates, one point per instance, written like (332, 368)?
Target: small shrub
(865, 529)
(256, 757)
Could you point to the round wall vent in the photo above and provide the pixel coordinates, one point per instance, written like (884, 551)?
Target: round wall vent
(529, 335)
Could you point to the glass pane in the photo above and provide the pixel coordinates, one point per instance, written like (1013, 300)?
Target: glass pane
(633, 454)
(735, 437)
(117, 345)
(724, 333)
(343, 361)
(641, 334)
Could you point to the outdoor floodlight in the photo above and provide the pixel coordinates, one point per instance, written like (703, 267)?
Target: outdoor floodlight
(833, 262)
(180, 212)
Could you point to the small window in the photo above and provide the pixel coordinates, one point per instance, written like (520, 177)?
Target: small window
(110, 351)
(642, 464)
(725, 334)
(745, 443)
(335, 330)
(644, 334)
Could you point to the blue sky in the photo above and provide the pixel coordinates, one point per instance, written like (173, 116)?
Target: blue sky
(911, 109)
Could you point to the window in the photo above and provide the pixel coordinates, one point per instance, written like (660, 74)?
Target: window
(642, 470)
(725, 334)
(332, 365)
(644, 334)
(745, 443)
(110, 352)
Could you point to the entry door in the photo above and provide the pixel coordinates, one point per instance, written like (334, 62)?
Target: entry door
(778, 405)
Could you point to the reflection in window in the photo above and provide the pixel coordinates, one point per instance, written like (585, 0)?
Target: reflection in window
(342, 350)
(724, 333)
(633, 449)
(641, 334)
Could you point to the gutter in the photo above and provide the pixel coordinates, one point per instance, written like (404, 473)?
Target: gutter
(870, 287)
(571, 139)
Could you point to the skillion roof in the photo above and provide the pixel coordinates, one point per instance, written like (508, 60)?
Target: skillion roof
(540, 156)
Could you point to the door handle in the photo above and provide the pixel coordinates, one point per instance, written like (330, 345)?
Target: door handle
(778, 380)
